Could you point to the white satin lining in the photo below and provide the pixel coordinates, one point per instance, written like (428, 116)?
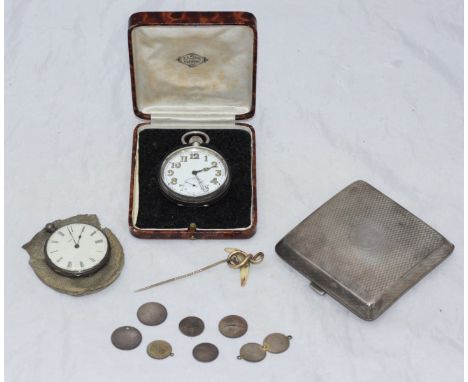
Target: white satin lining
(220, 86)
(192, 118)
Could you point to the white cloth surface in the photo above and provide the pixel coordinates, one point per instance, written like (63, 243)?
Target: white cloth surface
(346, 90)
(222, 85)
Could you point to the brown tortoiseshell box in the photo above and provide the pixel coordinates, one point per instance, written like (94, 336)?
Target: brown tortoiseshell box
(192, 71)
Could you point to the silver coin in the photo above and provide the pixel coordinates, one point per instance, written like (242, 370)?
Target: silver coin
(159, 349)
(233, 326)
(205, 352)
(126, 338)
(252, 352)
(191, 326)
(152, 313)
(276, 343)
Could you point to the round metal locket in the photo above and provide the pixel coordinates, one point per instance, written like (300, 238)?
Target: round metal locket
(276, 342)
(159, 349)
(191, 326)
(233, 326)
(273, 343)
(152, 313)
(252, 352)
(126, 338)
(194, 174)
(205, 352)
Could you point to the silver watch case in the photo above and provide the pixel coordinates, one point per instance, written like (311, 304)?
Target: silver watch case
(85, 273)
(202, 200)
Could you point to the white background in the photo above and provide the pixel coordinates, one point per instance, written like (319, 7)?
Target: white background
(346, 90)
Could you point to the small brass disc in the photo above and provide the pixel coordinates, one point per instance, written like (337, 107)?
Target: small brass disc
(252, 352)
(276, 343)
(126, 338)
(205, 352)
(191, 326)
(159, 349)
(152, 313)
(233, 326)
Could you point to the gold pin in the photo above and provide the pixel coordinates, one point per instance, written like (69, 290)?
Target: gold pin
(237, 259)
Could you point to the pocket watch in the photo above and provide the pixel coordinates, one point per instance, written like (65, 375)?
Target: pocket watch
(76, 249)
(194, 174)
(76, 255)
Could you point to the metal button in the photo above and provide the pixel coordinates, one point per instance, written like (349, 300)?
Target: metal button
(126, 338)
(152, 313)
(159, 349)
(252, 352)
(50, 227)
(233, 326)
(205, 352)
(191, 326)
(276, 342)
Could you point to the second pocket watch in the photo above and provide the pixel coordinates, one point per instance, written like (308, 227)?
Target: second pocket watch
(194, 174)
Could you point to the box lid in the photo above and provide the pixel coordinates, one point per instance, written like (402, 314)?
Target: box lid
(363, 249)
(193, 64)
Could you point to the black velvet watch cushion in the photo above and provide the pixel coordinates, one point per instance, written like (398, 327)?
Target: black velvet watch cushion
(233, 210)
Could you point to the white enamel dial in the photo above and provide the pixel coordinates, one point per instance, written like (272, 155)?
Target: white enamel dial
(194, 174)
(77, 249)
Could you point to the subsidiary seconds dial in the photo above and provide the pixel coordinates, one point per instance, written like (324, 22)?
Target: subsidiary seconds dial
(77, 250)
(194, 174)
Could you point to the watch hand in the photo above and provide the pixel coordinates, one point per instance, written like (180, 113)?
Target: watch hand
(202, 186)
(199, 181)
(81, 233)
(68, 229)
(195, 172)
(194, 185)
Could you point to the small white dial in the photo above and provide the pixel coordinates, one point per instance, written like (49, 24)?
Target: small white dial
(194, 174)
(77, 249)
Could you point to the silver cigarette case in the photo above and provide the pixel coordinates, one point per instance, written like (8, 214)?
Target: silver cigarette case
(363, 249)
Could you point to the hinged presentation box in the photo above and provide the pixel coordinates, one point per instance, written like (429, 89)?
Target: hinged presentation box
(193, 71)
